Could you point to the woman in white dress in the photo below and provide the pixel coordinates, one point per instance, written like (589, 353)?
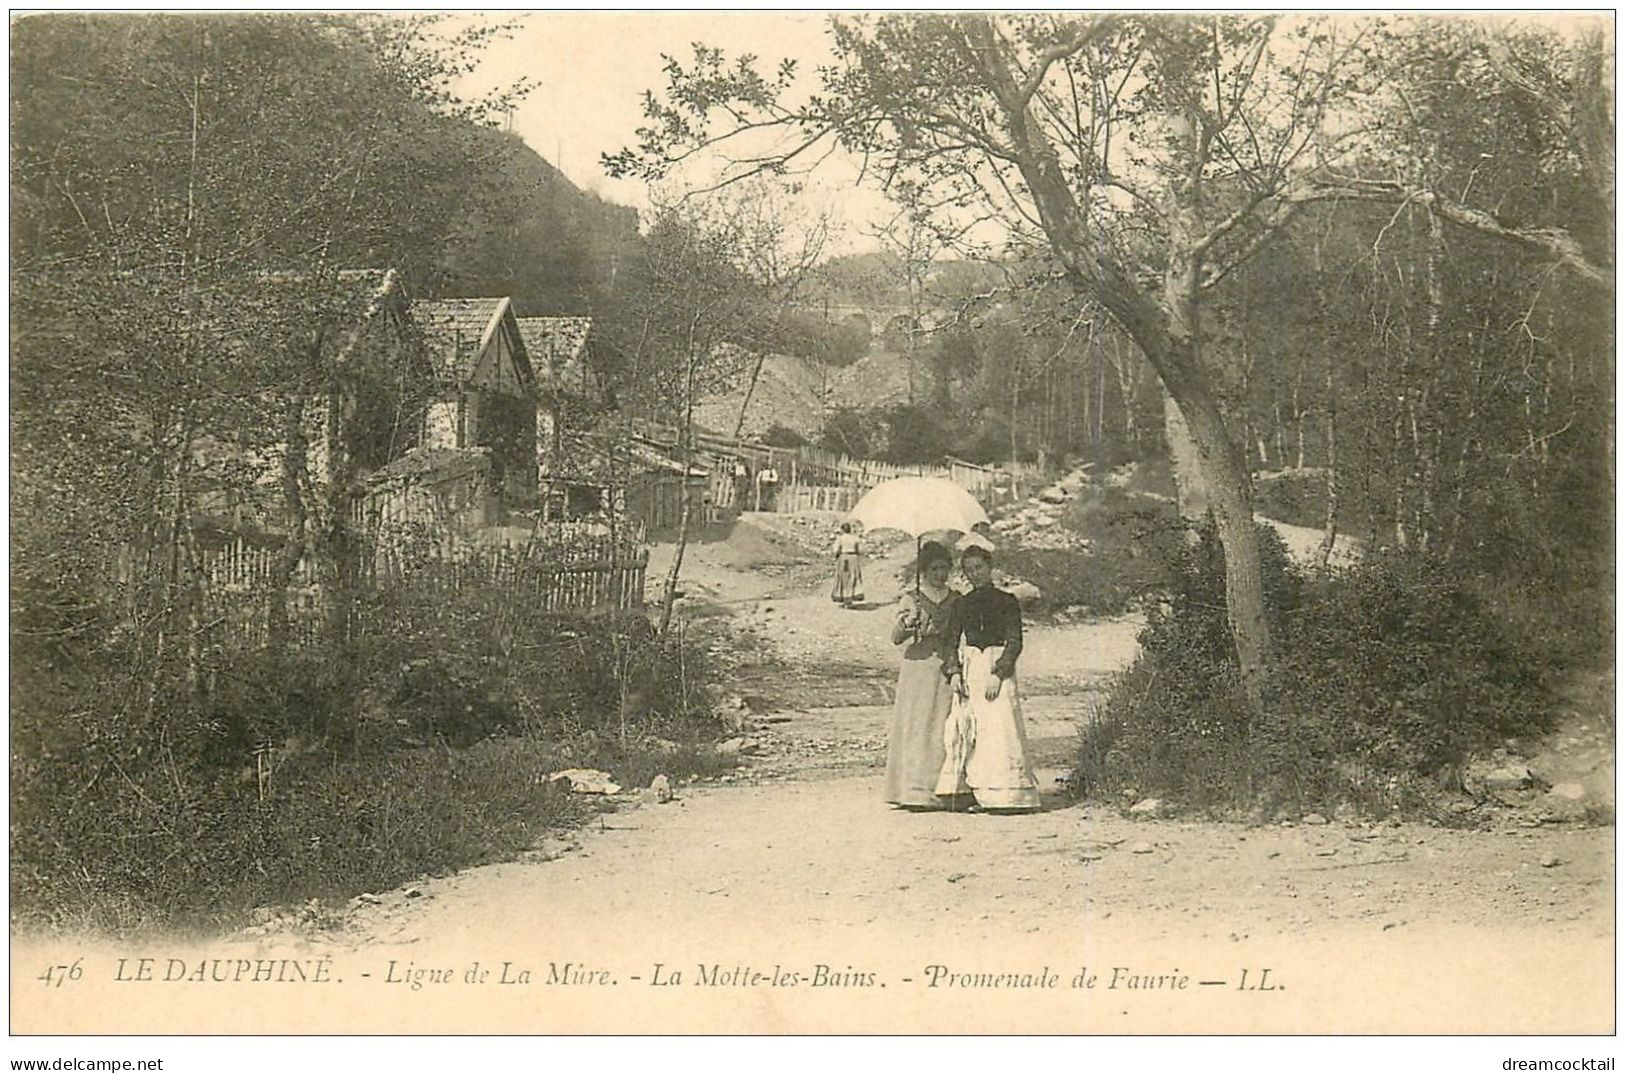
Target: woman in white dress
(985, 738)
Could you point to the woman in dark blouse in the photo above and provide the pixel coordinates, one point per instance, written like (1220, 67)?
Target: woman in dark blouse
(986, 740)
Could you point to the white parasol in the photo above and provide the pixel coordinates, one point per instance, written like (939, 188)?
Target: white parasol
(919, 505)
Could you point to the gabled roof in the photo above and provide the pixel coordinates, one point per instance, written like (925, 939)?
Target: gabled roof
(557, 347)
(458, 330)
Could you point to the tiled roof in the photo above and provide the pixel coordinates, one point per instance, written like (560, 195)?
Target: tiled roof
(557, 349)
(456, 330)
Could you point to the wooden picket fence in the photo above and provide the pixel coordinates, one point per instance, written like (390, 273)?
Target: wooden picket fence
(568, 568)
(580, 579)
(814, 479)
(236, 581)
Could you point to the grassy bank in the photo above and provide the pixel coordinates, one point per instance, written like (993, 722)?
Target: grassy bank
(147, 796)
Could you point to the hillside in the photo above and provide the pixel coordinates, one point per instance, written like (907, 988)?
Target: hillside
(529, 233)
(789, 393)
(876, 381)
(799, 393)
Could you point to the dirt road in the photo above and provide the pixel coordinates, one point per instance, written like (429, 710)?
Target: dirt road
(789, 898)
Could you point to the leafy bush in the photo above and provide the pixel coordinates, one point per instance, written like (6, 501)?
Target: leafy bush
(1131, 541)
(783, 436)
(851, 432)
(143, 795)
(1386, 677)
(1297, 497)
(1153, 476)
(919, 434)
(988, 439)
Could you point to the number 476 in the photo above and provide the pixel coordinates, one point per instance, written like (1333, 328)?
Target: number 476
(57, 975)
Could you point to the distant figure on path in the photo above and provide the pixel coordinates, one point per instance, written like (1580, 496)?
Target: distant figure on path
(985, 741)
(848, 587)
(914, 748)
(767, 488)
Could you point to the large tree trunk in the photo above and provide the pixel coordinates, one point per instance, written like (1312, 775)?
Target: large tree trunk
(1232, 504)
(1190, 486)
(1165, 336)
(1215, 470)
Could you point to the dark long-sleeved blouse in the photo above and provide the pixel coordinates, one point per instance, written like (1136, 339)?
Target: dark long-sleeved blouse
(984, 617)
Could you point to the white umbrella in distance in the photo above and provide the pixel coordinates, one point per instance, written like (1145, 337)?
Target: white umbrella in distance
(919, 505)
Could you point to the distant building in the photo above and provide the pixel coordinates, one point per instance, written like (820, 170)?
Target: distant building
(486, 390)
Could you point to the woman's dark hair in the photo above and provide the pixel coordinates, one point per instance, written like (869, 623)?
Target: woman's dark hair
(977, 551)
(846, 527)
(933, 552)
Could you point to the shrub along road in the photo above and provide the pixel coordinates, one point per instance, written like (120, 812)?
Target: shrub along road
(784, 897)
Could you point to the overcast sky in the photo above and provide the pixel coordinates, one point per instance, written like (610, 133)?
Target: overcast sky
(594, 66)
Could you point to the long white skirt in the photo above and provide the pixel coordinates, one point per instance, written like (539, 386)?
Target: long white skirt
(986, 740)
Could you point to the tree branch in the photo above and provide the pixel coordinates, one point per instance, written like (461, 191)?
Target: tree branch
(1229, 223)
(1551, 243)
(1271, 229)
(1063, 50)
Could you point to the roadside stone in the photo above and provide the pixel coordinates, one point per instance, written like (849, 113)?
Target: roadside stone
(1510, 777)
(1552, 860)
(1569, 791)
(1024, 591)
(1141, 847)
(1052, 495)
(660, 787)
(1315, 819)
(731, 747)
(1151, 808)
(551, 848)
(586, 781)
